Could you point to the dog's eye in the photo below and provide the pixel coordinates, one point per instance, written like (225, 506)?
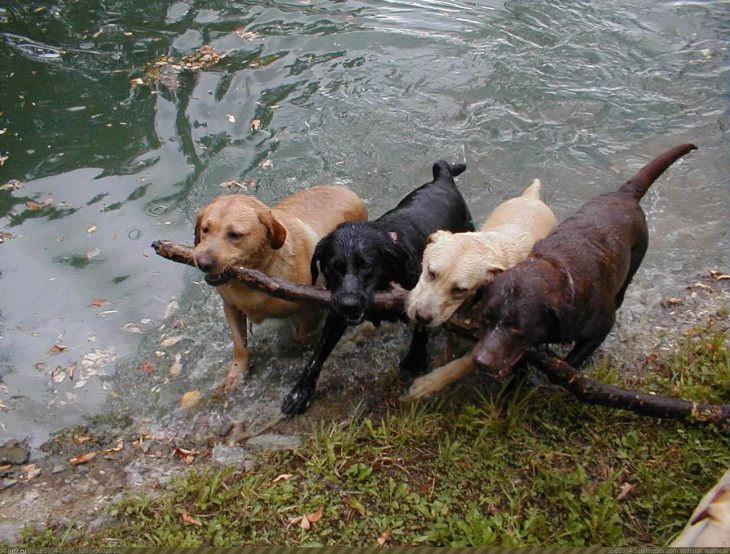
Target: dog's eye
(204, 230)
(233, 235)
(431, 275)
(459, 290)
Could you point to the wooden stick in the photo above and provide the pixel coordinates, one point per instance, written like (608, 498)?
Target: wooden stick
(393, 301)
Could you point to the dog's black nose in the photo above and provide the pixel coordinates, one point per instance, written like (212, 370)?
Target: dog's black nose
(423, 318)
(349, 305)
(205, 262)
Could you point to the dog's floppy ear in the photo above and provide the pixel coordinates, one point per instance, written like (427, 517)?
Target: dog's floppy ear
(495, 268)
(316, 257)
(275, 230)
(198, 222)
(438, 235)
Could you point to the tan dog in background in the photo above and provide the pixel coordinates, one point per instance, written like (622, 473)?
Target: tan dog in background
(278, 241)
(455, 265)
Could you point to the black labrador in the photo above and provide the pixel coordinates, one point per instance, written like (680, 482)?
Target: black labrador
(358, 258)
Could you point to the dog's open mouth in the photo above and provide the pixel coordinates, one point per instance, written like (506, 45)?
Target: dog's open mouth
(217, 280)
(355, 320)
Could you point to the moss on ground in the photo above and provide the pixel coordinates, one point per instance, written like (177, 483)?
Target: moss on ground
(528, 466)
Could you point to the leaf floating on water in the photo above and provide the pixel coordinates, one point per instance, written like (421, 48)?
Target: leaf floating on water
(255, 125)
(190, 399)
(56, 348)
(91, 229)
(99, 302)
(171, 341)
(176, 366)
(6, 235)
(84, 458)
(32, 205)
(13, 184)
(148, 367)
(266, 164)
(247, 35)
(231, 118)
(92, 253)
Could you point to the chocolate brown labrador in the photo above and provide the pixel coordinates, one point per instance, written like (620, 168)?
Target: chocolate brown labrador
(574, 280)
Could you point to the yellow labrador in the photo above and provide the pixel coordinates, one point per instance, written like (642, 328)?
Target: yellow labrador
(278, 241)
(455, 265)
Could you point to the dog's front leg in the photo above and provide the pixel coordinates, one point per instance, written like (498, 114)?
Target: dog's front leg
(298, 399)
(415, 361)
(238, 322)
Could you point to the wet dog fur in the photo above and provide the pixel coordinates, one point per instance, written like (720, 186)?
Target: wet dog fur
(357, 259)
(569, 287)
(278, 241)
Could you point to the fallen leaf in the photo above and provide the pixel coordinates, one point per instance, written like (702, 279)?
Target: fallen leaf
(190, 520)
(255, 125)
(314, 517)
(231, 118)
(32, 205)
(176, 366)
(91, 228)
(304, 523)
(56, 348)
(118, 448)
(382, 539)
(81, 439)
(171, 341)
(148, 367)
(92, 253)
(283, 477)
(673, 301)
(190, 399)
(30, 471)
(626, 489)
(99, 302)
(267, 164)
(78, 460)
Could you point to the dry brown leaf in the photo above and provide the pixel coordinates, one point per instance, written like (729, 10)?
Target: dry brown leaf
(30, 471)
(91, 229)
(176, 366)
(148, 367)
(32, 205)
(283, 477)
(673, 301)
(626, 489)
(190, 399)
(304, 523)
(81, 439)
(171, 341)
(56, 348)
(382, 539)
(99, 302)
(314, 517)
(255, 124)
(190, 520)
(91, 254)
(118, 448)
(78, 460)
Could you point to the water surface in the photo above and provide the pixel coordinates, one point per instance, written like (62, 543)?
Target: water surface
(111, 152)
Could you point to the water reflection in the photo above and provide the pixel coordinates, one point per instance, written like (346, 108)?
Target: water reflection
(116, 142)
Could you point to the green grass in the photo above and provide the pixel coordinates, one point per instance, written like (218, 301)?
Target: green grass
(527, 467)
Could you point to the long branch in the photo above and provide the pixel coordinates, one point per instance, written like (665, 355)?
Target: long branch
(386, 301)
(560, 373)
(593, 392)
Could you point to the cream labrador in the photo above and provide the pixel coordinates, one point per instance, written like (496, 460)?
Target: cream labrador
(455, 265)
(278, 241)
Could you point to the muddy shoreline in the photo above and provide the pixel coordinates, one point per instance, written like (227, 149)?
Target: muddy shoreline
(86, 469)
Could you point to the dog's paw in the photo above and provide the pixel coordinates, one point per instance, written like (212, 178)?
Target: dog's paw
(232, 380)
(296, 401)
(421, 388)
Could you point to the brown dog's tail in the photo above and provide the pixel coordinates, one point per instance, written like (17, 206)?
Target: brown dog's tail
(640, 183)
